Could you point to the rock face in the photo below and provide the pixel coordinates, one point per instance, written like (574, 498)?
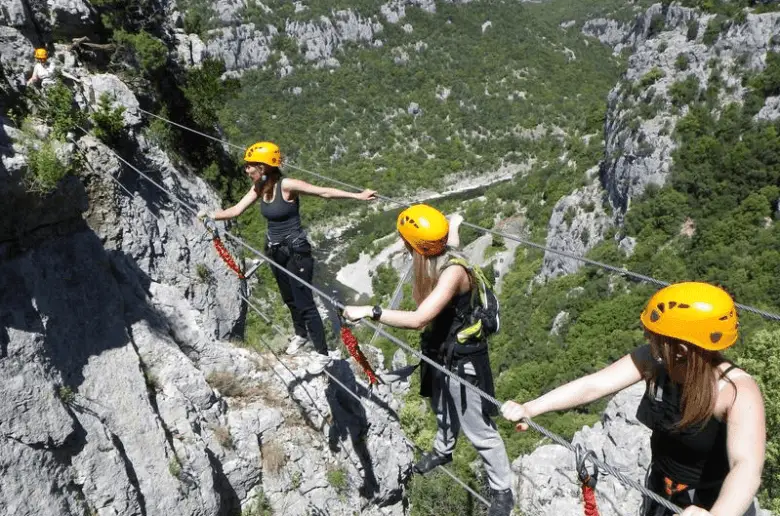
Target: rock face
(671, 45)
(122, 392)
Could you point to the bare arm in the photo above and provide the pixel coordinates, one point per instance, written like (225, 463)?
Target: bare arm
(238, 209)
(746, 444)
(611, 379)
(290, 185)
(448, 285)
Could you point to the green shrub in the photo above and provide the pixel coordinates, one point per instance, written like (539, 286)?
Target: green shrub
(651, 77)
(44, 169)
(207, 93)
(657, 25)
(108, 122)
(714, 28)
(60, 111)
(338, 479)
(767, 83)
(174, 467)
(681, 63)
(142, 49)
(66, 394)
(693, 29)
(685, 91)
(259, 506)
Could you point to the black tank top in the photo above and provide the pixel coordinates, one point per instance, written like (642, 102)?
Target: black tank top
(697, 455)
(284, 218)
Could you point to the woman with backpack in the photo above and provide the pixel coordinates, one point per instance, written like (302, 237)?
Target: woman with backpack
(286, 241)
(448, 293)
(706, 415)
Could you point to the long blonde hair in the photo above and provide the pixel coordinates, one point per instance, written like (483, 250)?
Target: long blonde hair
(695, 369)
(426, 271)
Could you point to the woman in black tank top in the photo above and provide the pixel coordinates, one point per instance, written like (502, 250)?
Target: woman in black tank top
(441, 289)
(286, 241)
(707, 416)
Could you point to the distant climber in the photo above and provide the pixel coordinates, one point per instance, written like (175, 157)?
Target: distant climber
(445, 290)
(286, 240)
(707, 415)
(44, 70)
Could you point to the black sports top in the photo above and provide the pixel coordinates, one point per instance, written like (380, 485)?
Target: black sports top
(284, 218)
(697, 455)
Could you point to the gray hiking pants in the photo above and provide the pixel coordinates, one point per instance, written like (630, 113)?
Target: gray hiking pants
(479, 429)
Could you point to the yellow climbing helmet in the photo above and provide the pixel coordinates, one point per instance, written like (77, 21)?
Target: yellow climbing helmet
(424, 228)
(41, 53)
(264, 152)
(694, 312)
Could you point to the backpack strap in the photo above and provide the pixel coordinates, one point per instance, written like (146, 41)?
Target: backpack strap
(478, 279)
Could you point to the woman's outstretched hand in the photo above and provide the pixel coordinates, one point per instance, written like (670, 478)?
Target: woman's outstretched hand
(355, 313)
(367, 195)
(515, 412)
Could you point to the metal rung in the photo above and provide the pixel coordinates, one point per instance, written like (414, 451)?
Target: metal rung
(253, 268)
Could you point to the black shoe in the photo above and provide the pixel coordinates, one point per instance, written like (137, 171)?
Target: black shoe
(430, 461)
(502, 504)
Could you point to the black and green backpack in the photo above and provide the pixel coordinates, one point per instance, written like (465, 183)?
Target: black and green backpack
(483, 318)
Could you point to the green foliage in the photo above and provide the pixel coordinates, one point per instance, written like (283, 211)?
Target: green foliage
(198, 17)
(761, 357)
(128, 16)
(203, 273)
(693, 29)
(60, 111)
(259, 506)
(651, 77)
(174, 467)
(108, 122)
(685, 91)
(44, 168)
(767, 83)
(141, 50)
(657, 25)
(207, 93)
(66, 394)
(682, 61)
(714, 28)
(338, 480)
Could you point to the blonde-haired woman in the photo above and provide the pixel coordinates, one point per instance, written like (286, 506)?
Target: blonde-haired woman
(286, 240)
(706, 414)
(443, 293)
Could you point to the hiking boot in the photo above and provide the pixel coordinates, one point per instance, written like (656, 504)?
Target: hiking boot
(296, 343)
(318, 363)
(430, 461)
(502, 503)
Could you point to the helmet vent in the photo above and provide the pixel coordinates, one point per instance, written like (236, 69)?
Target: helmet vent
(654, 316)
(724, 318)
(683, 305)
(672, 304)
(661, 307)
(715, 336)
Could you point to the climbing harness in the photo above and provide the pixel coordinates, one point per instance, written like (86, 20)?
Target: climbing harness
(352, 345)
(587, 481)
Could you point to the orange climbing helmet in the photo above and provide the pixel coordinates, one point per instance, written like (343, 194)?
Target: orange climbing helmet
(41, 53)
(699, 313)
(424, 228)
(264, 152)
